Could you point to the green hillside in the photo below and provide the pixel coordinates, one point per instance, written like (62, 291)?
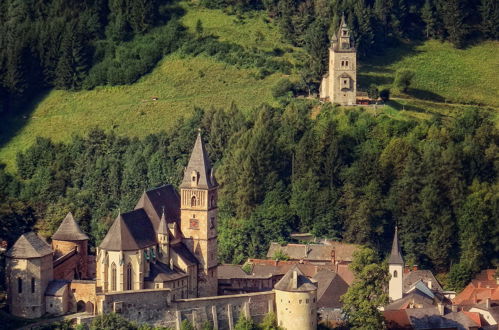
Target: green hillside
(180, 83)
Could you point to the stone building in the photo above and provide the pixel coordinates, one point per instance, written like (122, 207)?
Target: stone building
(339, 85)
(28, 273)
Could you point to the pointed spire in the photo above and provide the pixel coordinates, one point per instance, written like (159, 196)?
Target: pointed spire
(198, 172)
(396, 255)
(343, 23)
(163, 226)
(69, 230)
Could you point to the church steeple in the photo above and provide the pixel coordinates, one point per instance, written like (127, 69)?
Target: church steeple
(198, 217)
(344, 35)
(396, 269)
(396, 255)
(199, 172)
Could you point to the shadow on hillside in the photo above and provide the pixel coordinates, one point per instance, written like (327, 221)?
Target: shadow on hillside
(364, 81)
(425, 95)
(392, 54)
(13, 121)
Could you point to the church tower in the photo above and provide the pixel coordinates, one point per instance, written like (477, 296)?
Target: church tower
(339, 85)
(396, 269)
(198, 217)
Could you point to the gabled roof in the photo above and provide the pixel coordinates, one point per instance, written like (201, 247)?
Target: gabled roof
(130, 231)
(416, 297)
(69, 230)
(330, 288)
(396, 255)
(295, 281)
(156, 200)
(56, 288)
(29, 245)
(315, 252)
(199, 163)
(425, 276)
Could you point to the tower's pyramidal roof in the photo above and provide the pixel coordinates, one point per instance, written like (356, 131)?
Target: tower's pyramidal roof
(200, 164)
(29, 245)
(69, 230)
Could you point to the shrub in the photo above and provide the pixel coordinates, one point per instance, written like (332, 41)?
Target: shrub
(403, 79)
(385, 94)
(282, 88)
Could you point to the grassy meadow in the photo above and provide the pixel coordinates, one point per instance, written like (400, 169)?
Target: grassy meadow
(442, 73)
(445, 78)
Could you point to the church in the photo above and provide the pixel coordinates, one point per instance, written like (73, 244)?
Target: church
(157, 264)
(339, 85)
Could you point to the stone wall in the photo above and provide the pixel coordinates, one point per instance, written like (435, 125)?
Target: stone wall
(156, 308)
(83, 291)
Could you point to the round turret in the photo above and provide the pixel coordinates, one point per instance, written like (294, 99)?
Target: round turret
(296, 301)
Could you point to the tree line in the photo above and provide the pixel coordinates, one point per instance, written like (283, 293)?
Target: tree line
(79, 44)
(346, 175)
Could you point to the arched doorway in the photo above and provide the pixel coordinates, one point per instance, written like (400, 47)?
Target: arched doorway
(89, 307)
(80, 306)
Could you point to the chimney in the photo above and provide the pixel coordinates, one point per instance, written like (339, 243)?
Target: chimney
(407, 269)
(487, 303)
(454, 308)
(441, 309)
(294, 283)
(415, 267)
(430, 286)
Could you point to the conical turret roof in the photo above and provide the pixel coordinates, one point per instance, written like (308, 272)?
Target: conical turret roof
(29, 245)
(163, 225)
(200, 165)
(294, 280)
(69, 230)
(396, 255)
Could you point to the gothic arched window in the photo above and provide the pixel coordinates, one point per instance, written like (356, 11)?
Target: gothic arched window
(129, 277)
(113, 277)
(193, 201)
(395, 274)
(19, 285)
(32, 285)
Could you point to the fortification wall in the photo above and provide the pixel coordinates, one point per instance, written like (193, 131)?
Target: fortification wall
(156, 308)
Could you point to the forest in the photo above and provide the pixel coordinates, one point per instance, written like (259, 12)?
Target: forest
(74, 45)
(347, 175)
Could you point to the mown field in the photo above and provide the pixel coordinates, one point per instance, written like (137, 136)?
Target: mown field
(445, 78)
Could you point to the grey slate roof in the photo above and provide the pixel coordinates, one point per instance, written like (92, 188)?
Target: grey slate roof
(156, 200)
(287, 283)
(184, 253)
(425, 276)
(200, 163)
(330, 288)
(56, 288)
(315, 252)
(416, 297)
(69, 230)
(130, 231)
(160, 272)
(429, 318)
(396, 255)
(29, 245)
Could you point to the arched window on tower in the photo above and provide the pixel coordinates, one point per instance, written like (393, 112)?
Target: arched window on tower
(114, 276)
(193, 201)
(395, 274)
(346, 63)
(212, 201)
(32, 285)
(129, 277)
(19, 285)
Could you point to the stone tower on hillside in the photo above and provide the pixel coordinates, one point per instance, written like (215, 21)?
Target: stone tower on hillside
(339, 85)
(198, 216)
(396, 269)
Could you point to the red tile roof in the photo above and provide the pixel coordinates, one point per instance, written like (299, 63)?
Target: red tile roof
(483, 286)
